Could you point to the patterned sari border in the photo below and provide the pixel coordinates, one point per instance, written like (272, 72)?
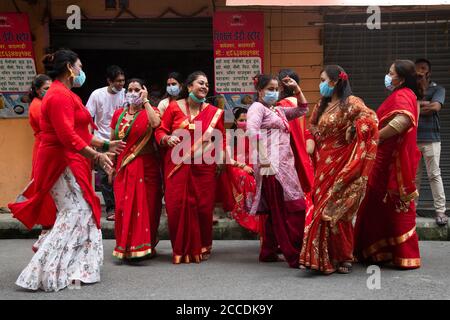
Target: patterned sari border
(388, 242)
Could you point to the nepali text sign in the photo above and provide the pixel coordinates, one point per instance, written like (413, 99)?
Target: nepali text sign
(17, 67)
(238, 54)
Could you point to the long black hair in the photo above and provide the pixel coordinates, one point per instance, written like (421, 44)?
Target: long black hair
(189, 80)
(342, 89)
(56, 63)
(406, 69)
(287, 92)
(37, 83)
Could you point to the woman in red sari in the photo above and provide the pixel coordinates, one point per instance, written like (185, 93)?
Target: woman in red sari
(73, 250)
(190, 181)
(300, 139)
(239, 174)
(137, 184)
(346, 138)
(385, 230)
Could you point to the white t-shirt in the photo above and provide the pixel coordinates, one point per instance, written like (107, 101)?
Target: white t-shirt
(101, 105)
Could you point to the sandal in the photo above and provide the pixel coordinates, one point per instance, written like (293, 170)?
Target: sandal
(345, 267)
(111, 216)
(441, 219)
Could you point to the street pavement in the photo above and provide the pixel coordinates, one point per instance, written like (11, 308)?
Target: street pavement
(233, 272)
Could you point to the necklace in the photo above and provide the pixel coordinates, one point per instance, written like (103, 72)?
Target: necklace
(123, 133)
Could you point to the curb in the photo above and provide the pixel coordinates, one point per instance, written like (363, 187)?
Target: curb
(225, 229)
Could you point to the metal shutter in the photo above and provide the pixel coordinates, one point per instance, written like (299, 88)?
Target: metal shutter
(366, 55)
(135, 34)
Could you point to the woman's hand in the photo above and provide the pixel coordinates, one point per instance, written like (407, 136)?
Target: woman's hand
(144, 93)
(117, 146)
(310, 146)
(291, 84)
(105, 162)
(248, 170)
(172, 141)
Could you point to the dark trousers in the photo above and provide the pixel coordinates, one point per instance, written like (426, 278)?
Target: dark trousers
(281, 229)
(106, 189)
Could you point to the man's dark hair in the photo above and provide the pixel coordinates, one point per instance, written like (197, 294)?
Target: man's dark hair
(112, 72)
(423, 60)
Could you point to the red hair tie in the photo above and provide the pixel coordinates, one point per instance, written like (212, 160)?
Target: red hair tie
(255, 81)
(343, 76)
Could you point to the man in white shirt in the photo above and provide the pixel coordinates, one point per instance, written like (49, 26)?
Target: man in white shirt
(101, 104)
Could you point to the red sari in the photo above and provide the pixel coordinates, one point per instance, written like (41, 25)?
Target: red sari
(386, 226)
(65, 132)
(137, 187)
(243, 188)
(190, 188)
(303, 163)
(342, 171)
(35, 118)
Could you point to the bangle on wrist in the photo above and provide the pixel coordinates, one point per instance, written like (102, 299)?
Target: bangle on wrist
(145, 101)
(105, 146)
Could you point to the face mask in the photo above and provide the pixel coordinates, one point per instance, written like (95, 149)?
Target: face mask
(114, 90)
(79, 80)
(132, 98)
(242, 125)
(173, 90)
(270, 97)
(388, 83)
(43, 92)
(325, 89)
(195, 99)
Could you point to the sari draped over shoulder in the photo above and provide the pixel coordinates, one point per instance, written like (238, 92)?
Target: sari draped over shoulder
(342, 171)
(137, 189)
(190, 185)
(386, 226)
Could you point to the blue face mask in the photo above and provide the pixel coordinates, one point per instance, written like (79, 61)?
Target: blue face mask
(79, 80)
(195, 99)
(43, 92)
(325, 90)
(174, 91)
(270, 97)
(388, 83)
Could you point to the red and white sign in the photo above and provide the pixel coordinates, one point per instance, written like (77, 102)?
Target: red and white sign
(17, 66)
(238, 50)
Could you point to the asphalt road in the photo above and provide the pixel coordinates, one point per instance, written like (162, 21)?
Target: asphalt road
(233, 272)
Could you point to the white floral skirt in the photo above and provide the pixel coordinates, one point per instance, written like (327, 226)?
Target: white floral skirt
(73, 249)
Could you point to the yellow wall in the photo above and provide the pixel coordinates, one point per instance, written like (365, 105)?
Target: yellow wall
(16, 144)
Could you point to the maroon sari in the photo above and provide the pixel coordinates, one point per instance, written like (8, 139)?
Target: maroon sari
(386, 226)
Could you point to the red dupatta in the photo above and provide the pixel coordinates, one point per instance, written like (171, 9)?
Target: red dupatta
(401, 186)
(299, 134)
(138, 137)
(208, 118)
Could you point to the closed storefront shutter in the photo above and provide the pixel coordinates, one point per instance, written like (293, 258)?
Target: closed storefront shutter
(135, 34)
(367, 54)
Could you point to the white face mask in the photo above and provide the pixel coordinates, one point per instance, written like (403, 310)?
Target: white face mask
(133, 98)
(174, 91)
(114, 90)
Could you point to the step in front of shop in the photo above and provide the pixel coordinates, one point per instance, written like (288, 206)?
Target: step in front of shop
(225, 229)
